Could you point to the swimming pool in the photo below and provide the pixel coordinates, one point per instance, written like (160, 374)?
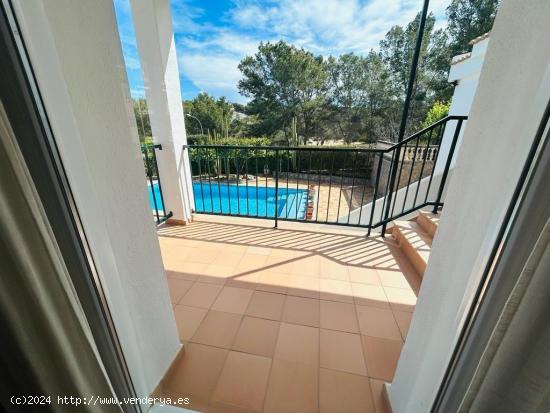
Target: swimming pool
(154, 195)
(226, 198)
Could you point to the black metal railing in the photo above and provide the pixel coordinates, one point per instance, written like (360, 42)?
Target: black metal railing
(362, 187)
(154, 186)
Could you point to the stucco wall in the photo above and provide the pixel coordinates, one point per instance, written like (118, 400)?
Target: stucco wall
(513, 91)
(77, 58)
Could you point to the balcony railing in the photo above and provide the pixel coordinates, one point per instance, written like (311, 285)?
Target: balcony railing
(340, 186)
(154, 186)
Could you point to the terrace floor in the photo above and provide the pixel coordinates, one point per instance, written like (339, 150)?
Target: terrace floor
(302, 318)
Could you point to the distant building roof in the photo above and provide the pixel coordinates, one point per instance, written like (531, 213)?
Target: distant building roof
(461, 57)
(479, 38)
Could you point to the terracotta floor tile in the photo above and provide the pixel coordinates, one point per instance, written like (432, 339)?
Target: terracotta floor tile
(335, 290)
(278, 279)
(341, 392)
(380, 401)
(233, 300)
(298, 343)
(394, 279)
(190, 276)
(401, 299)
(218, 329)
(307, 266)
(216, 274)
(201, 295)
(363, 275)
(252, 262)
(243, 381)
(203, 255)
(293, 388)
(377, 322)
(281, 252)
(403, 319)
(338, 316)
(304, 311)
(196, 372)
(266, 305)
(178, 288)
(342, 351)
(228, 258)
(333, 270)
(273, 282)
(217, 407)
(303, 286)
(188, 320)
(258, 250)
(257, 336)
(381, 355)
(174, 261)
(370, 295)
(280, 265)
(247, 280)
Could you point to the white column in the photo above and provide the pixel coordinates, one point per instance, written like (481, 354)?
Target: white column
(77, 60)
(159, 65)
(509, 103)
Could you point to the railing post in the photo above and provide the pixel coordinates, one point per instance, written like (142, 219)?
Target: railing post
(276, 184)
(404, 115)
(375, 194)
(169, 213)
(447, 166)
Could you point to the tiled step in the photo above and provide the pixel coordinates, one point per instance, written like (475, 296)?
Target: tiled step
(428, 222)
(414, 242)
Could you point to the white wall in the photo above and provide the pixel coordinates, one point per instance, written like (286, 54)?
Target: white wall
(513, 91)
(466, 75)
(76, 55)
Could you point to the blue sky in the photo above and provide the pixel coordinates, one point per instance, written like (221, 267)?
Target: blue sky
(212, 36)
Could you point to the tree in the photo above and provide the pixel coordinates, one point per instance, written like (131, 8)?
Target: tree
(142, 119)
(284, 82)
(359, 91)
(214, 115)
(437, 112)
(396, 51)
(468, 19)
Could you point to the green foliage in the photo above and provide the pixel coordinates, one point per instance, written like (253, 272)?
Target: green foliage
(142, 119)
(229, 160)
(437, 112)
(430, 85)
(214, 115)
(284, 82)
(468, 19)
(297, 97)
(359, 93)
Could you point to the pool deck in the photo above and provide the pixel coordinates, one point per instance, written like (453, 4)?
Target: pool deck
(303, 318)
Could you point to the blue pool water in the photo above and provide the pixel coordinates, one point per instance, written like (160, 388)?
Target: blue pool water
(155, 195)
(230, 199)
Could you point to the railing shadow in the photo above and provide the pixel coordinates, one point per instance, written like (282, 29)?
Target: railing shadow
(345, 249)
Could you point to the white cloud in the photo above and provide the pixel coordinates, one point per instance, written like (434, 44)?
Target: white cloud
(217, 75)
(211, 53)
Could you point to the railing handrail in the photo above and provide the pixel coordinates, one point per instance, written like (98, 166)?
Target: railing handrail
(151, 145)
(422, 131)
(282, 148)
(424, 151)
